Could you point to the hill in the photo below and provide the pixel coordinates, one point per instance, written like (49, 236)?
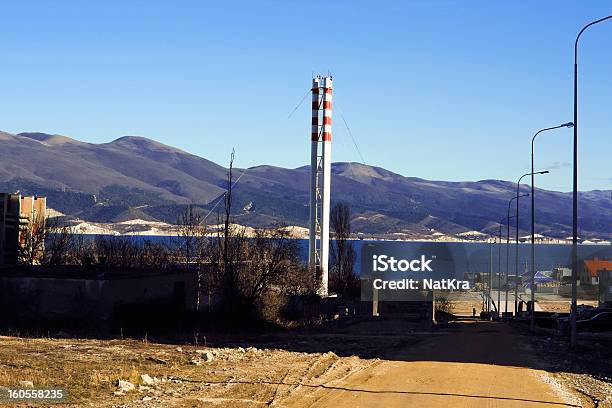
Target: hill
(135, 177)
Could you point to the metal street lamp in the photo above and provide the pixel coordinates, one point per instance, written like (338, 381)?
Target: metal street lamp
(490, 283)
(501, 223)
(508, 244)
(533, 271)
(518, 186)
(575, 190)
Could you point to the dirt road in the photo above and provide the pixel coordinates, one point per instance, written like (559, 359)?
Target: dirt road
(481, 364)
(356, 363)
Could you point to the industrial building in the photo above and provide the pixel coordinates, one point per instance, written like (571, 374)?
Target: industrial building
(20, 218)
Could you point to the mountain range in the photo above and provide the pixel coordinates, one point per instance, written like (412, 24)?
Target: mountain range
(139, 178)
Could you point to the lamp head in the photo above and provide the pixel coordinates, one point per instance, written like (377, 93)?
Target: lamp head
(568, 124)
(543, 172)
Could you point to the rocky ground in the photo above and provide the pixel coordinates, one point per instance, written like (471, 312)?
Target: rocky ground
(289, 368)
(128, 373)
(243, 370)
(587, 369)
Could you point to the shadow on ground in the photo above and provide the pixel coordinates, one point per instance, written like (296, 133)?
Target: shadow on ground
(471, 341)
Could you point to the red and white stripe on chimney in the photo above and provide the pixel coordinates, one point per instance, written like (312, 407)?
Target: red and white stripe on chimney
(320, 178)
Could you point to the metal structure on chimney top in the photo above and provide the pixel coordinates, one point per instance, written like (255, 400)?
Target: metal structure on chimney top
(320, 179)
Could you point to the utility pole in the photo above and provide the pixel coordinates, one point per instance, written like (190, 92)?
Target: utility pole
(573, 315)
(518, 186)
(533, 266)
(490, 277)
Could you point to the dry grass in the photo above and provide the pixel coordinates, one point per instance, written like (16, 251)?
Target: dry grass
(84, 367)
(89, 371)
(561, 306)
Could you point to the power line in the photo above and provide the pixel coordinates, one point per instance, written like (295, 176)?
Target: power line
(299, 104)
(350, 133)
(223, 195)
(343, 120)
(345, 124)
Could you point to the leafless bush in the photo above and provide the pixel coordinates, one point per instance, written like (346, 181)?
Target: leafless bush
(84, 252)
(297, 279)
(247, 270)
(273, 262)
(32, 241)
(190, 241)
(190, 245)
(342, 275)
(444, 304)
(155, 255)
(117, 251)
(66, 247)
(60, 242)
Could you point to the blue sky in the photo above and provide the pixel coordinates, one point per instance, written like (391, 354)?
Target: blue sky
(448, 90)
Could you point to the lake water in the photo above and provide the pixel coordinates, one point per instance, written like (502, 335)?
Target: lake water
(475, 256)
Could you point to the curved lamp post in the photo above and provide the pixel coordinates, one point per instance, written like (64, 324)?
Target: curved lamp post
(575, 190)
(518, 186)
(508, 244)
(501, 223)
(533, 268)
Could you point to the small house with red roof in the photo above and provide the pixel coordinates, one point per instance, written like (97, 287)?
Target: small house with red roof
(592, 267)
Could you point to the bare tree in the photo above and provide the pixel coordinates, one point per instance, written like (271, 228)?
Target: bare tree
(155, 255)
(191, 233)
(297, 279)
(270, 256)
(84, 251)
(32, 241)
(257, 268)
(245, 270)
(122, 251)
(343, 279)
(191, 244)
(443, 306)
(229, 252)
(61, 240)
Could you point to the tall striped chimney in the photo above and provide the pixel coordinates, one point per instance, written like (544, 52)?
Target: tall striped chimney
(320, 179)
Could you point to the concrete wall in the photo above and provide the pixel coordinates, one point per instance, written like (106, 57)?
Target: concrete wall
(161, 286)
(83, 301)
(39, 298)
